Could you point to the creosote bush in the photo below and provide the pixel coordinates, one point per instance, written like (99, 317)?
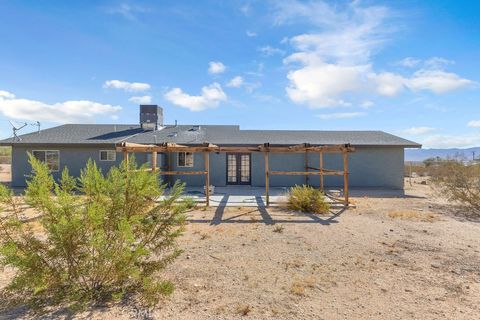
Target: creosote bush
(103, 236)
(307, 199)
(459, 183)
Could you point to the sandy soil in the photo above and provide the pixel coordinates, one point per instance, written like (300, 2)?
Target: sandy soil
(388, 258)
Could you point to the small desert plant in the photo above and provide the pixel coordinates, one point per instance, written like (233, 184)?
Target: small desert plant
(307, 199)
(103, 236)
(189, 202)
(459, 183)
(278, 228)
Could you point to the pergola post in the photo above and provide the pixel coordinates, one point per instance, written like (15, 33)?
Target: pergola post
(345, 177)
(154, 161)
(267, 176)
(207, 177)
(307, 177)
(322, 187)
(125, 157)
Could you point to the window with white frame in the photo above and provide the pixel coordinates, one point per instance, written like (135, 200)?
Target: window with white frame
(108, 155)
(185, 159)
(50, 157)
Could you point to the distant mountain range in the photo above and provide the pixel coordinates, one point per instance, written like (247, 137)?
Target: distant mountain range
(422, 154)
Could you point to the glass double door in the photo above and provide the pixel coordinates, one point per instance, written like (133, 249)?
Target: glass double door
(238, 168)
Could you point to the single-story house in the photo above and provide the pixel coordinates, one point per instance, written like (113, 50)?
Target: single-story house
(378, 160)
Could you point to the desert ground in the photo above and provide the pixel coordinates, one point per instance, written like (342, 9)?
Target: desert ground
(411, 257)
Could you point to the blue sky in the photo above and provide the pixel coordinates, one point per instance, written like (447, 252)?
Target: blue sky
(410, 68)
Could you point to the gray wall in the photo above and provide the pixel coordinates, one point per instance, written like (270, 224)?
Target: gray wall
(369, 167)
(72, 157)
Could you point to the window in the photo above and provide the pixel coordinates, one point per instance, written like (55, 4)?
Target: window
(185, 159)
(50, 157)
(108, 155)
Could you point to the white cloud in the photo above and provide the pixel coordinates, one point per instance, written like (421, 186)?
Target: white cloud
(437, 81)
(409, 62)
(62, 112)
(451, 141)
(211, 96)
(367, 104)
(418, 130)
(6, 95)
(236, 82)
(127, 86)
(335, 59)
(387, 83)
(319, 84)
(436, 62)
(128, 11)
(251, 34)
(141, 100)
(340, 115)
(474, 124)
(270, 51)
(216, 67)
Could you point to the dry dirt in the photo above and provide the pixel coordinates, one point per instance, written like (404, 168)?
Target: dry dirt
(388, 258)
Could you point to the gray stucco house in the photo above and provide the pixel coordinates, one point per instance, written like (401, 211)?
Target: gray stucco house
(378, 160)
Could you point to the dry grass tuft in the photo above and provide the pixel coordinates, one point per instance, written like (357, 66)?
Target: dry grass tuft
(244, 309)
(299, 287)
(412, 215)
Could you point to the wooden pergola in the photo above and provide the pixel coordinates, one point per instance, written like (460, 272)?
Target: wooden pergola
(266, 149)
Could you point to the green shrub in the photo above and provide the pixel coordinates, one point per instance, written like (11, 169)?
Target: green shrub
(307, 199)
(103, 236)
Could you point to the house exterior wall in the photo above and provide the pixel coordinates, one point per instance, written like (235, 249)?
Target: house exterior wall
(75, 158)
(380, 167)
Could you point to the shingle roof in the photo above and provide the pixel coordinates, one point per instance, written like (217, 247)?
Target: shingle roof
(81, 134)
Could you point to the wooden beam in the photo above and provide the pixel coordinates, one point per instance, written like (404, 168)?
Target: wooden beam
(322, 185)
(301, 173)
(180, 173)
(176, 148)
(345, 177)
(207, 177)
(267, 176)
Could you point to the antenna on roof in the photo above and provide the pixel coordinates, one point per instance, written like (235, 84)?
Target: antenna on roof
(15, 129)
(36, 124)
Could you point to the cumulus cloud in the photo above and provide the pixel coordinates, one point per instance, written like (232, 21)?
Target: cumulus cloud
(141, 100)
(62, 112)
(418, 130)
(474, 124)
(334, 61)
(235, 82)
(436, 81)
(251, 33)
(319, 84)
(340, 115)
(388, 83)
(127, 86)
(216, 67)
(210, 97)
(6, 95)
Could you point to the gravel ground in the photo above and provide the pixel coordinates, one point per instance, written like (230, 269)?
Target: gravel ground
(387, 258)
